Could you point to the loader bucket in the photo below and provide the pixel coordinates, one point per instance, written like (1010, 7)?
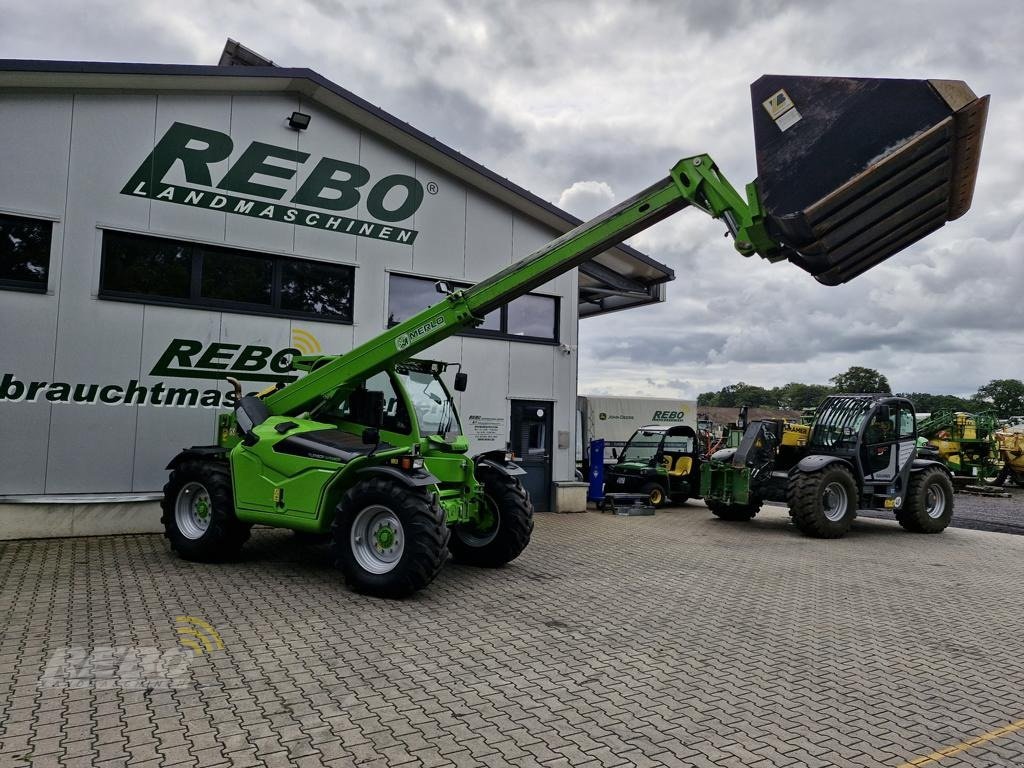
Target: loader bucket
(853, 170)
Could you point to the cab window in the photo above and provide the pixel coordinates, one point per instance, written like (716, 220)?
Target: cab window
(906, 423)
(396, 417)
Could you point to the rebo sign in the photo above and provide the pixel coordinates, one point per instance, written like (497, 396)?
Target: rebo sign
(333, 186)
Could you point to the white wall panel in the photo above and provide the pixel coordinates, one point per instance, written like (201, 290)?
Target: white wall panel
(263, 118)
(327, 136)
(34, 135)
(34, 145)
(488, 237)
(376, 256)
(162, 431)
(28, 322)
(440, 246)
(90, 446)
(531, 371)
(486, 362)
(205, 111)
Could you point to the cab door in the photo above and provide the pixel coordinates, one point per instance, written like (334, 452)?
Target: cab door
(879, 452)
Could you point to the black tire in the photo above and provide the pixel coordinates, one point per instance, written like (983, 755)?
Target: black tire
(423, 535)
(203, 486)
(734, 512)
(655, 492)
(514, 517)
(928, 506)
(811, 512)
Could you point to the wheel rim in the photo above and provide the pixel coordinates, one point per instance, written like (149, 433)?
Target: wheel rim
(834, 501)
(377, 539)
(192, 510)
(934, 501)
(657, 496)
(474, 536)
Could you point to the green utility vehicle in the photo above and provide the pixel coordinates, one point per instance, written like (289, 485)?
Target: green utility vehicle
(859, 453)
(366, 445)
(662, 462)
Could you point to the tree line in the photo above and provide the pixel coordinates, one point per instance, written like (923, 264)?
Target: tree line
(1004, 396)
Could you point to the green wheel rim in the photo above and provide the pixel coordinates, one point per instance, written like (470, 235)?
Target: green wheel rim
(474, 536)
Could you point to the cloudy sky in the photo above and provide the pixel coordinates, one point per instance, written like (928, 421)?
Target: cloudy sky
(586, 103)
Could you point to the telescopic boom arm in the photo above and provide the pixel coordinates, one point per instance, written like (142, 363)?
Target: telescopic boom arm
(694, 181)
(839, 190)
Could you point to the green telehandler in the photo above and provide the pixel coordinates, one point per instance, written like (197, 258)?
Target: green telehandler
(367, 446)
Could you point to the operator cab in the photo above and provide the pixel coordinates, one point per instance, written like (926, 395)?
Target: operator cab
(878, 432)
(409, 400)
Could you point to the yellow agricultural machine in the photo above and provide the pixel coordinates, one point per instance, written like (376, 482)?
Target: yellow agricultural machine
(964, 442)
(1010, 441)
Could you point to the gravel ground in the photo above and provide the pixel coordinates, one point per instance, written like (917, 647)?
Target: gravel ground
(982, 513)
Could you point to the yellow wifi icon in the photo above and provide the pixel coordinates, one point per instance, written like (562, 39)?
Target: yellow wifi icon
(198, 635)
(305, 342)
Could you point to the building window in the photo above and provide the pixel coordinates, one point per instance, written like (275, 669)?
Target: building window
(24, 253)
(532, 317)
(153, 270)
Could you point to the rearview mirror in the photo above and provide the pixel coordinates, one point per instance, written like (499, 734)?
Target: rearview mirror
(461, 380)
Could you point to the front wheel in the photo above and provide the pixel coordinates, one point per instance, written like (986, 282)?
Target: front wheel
(928, 507)
(389, 538)
(734, 512)
(655, 493)
(504, 529)
(199, 512)
(823, 504)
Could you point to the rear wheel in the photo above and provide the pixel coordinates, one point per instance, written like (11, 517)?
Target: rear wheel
(389, 538)
(199, 512)
(503, 533)
(928, 507)
(727, 511)
(655, 493)
(823, 504)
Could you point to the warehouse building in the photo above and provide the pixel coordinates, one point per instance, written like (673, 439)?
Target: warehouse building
(163, 227)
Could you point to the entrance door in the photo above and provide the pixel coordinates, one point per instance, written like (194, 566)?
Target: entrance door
(531, 441)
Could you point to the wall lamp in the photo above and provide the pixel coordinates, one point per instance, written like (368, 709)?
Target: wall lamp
(299, 121)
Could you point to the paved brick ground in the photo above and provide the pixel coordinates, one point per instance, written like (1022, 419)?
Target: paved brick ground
(672, 640)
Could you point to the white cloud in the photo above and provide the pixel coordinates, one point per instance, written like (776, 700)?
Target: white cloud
(586, 198)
